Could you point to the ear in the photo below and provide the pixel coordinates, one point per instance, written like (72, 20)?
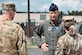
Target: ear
(63, 20)
(58, 12)
(2, 3)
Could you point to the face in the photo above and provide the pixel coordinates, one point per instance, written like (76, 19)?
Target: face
(72, 31)
(54, 15)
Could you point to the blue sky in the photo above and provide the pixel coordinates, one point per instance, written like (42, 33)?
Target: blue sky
(43, 5)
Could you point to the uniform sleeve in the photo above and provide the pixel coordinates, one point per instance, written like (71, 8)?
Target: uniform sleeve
(22, 43)
(80, 49)
(60, 48)
(78, 27)
(37, 34)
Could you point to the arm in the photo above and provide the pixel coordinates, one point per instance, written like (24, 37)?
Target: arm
(78, 27)
(22, 43)
(37, 34)
(60, 49)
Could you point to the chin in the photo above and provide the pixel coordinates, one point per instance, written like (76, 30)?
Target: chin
(73, 34)
(53, 19)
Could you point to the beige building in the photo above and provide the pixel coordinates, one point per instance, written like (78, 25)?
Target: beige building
(78, 18)
(37, 17)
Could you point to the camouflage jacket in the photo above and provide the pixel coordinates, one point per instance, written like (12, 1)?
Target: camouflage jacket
(12, 39)
(68, 45)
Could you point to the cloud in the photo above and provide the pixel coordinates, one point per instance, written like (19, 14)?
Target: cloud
(24, 3)
(80, 7)
(44, 8)
(40, 5)
(73, 4)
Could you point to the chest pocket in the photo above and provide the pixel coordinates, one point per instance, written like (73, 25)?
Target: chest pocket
(58, 30)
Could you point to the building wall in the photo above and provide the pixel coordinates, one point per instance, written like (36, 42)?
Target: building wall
(78, 18)
(22, 17)
(36, 16)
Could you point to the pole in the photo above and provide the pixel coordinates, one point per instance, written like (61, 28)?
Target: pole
(28, 18)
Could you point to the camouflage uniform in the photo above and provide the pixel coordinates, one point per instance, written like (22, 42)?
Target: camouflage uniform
(67, 44)
(12, 39)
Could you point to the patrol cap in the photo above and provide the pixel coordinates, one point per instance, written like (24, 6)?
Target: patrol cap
(53, 7)
(68, 21)
(8, 6)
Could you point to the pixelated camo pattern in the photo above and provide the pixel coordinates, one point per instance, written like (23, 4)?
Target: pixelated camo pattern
(69, 46)
(12, 39)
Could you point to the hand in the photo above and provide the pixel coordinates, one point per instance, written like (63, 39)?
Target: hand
(44, 47)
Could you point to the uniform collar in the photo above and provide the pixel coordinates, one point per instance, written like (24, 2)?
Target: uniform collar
(76, 36)
(57, 23)
(5, 19)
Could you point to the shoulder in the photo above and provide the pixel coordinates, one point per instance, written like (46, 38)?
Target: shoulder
(19, 28)
(78, 25)
(79, 35)
(80, 22)
(62, 38)
(13, 24)
(44, 22)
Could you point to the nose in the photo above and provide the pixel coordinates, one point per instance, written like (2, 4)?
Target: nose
(53, 14)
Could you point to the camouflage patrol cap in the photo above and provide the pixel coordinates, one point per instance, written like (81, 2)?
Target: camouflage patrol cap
(8, 6)
(68, 21)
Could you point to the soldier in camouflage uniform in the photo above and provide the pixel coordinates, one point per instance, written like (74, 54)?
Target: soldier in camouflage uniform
(12, 37)
(71, 42)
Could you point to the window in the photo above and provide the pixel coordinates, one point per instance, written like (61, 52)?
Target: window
(32, 22)
(43, 17)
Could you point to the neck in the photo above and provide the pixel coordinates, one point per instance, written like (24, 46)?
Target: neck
(72, 35)
(54, 21)
(6, 17)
